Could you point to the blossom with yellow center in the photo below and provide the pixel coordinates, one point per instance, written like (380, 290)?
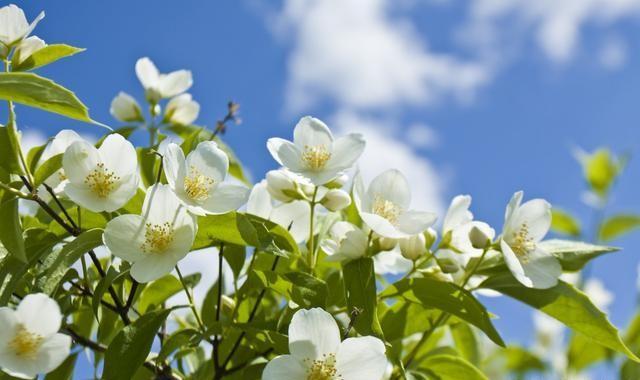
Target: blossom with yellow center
(32, 343)
(198, 179)
(384, 206)
(155, 241)
(524, 227)
(314, 153)
(318, 354)
(102, 179)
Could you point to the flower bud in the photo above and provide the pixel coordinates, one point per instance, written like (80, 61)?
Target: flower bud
(478, 238)
(26, 48)
(412, 248)
(431, 236)
(338, 182)
(286, 186)
(181, 110)
(228, 304)
(387, 244)
(448, 261)
(125, 108)
(336, 200)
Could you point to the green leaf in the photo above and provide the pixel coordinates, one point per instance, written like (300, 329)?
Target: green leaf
(11, 229)
(58, 265)
(35, 91)
(244, 229)
(514, 359)
(179, 340)
(46, 169)
(158, 291)
(449, 367)
(466, 342)
(360, 292)
(301, 288)
(9, 160)
(103, 285)
(564, 223)
(573, 255)
(45, 56)
(584, 353)
(566, 304)
(447, 297)
(618, 225)
(129, 349)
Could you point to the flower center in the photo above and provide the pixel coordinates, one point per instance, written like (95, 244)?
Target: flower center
(25, 343)
(522, 243)
(197, 185)
(101, 181)
(157, 237)
(315, 157)
(323, 369)
(386, 209)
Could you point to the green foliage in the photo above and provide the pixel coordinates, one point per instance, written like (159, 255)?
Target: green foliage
(360, 292)
(565, 223)
(617, 226)
(45, 56)
(11, 230)
(449, 367)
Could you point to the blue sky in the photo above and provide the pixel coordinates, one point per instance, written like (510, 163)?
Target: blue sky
(483, 98)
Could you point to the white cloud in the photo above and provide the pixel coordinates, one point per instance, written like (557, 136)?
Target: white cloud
(385, 151)
(556, 26)
(422, 136)
(355, 54)
(613, 53)
(31, 138)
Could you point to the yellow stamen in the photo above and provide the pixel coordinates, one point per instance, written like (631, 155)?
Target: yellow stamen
(522, 243)
(315, 157)
(101, 181)
(157, 237)
(25, 344)
(197, 185)
(323, 369)
(386, 209)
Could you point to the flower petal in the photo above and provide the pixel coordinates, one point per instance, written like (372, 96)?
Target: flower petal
(312, 132)
(175, 83)
(536, 213)
(161, 205)
(392, 186)
(53, 352)
(391, 262)
(458, 213)
(415, 222)
(119, 155)
(296, 215)
(285, 153)
(382, 226)
(346, 151)
(39, 314)
(226, 197)
(152, 267)
(124, 236)
(8, 321)
(259, 202)
(174, 166)
(514, 265)
(361, 358)
(208, 160)
(542, 268)
(284, 367)
(312, 334)
(513, 205)
(147, 72)
(79, 160)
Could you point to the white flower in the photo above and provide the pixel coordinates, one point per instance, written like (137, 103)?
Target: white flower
(26, 48)
(525, 225)
(181, 110)
(314, 153)
(125, 108)
(29, 340)
(14, 25)
(336, 200)
(102, 179)
(413, 247)
(391, 262)
(293, 216)
(158, 86)
(458, 224)
(287, 186)
(318, 353)
(345, 242)
(198, 179)
(58, 145)
(384, 206)
(155, 241)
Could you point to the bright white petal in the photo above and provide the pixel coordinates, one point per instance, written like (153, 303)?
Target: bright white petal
(8, 321)
(79, 160)
(514, 203)
(312, 132)
(259, 202)
(392, 186)
(312, 334)
(391, 262)
(175, 83)
(536, 214)
(285, 153)
(382, 226)
(415, 222)
(152, 267)
(208, 160)
(53, 352)
(284, 367)
(39, 314)
(124, 236)
(119, 155)
(514, 265)
(147, 73)
(161, 205)
(174, 165)
(346, 151)
(361, 358)
(183, 237)
(225, 198)
(542, 268)
(59, 144)
(296, 215)
(458, 213)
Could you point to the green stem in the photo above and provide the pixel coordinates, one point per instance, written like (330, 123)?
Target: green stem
(311, 254)
(192, 305)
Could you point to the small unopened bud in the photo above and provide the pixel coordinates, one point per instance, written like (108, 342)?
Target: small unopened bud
(286, 186)
(430, 237)
(387, 244)
(228, 303)
(478, 238)
(336, 200)
(412, 248)
(125, 108)
(338, 182)
(448, 260)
